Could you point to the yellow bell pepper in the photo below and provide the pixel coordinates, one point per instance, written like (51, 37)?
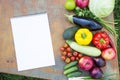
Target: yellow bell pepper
(83, 36)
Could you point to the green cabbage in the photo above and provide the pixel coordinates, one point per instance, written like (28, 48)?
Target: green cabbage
(101, 8)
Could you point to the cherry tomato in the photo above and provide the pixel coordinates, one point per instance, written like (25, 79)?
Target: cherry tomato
(63, 58)
(77, 58)
(75, 53)
(68, 49)
(64, 53)
(65, 45)
(62, 48)
(69, 54)
(72, 58)
(67, 60)
(80, 55)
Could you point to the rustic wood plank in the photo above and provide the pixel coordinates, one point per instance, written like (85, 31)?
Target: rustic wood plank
(58, 23)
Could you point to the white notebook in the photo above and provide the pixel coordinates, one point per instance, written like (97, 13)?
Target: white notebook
(32, 41)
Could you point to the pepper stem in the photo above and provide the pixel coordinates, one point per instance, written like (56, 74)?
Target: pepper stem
(83, 35)
(102, 40)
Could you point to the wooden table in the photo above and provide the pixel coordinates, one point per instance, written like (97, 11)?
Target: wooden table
(58, 23)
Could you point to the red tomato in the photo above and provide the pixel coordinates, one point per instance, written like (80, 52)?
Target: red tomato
(75, 53)
(68, 49)
(64, 53)
(63, 58)
(69, 54)
(77, 58)
(80, 55)
(72, 58)
(62, 48)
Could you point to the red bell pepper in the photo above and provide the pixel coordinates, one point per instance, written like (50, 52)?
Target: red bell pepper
(101, 40)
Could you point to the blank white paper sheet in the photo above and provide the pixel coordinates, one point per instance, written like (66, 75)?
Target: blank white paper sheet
(32, 40)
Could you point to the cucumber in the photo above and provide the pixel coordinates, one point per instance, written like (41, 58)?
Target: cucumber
(70, 65)
(72, 69)
(74, 74)
(70, 32)
(87, 50)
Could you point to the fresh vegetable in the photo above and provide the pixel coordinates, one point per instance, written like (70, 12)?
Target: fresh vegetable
(70, 65)
(64, 53)
(106, 24)
(82, 3)
(81, 78)
(70, 70)
(74, 74)
(101, 40)
(63, 58)
(68, 49)
(87, 50)
(84, 22)
(70, 32)
(72, 58)
(65, 45)
(80, 55)
(67, 60)
(100, 62)
(108, 54)
(101, 8)
(69, 54)
(83, 36)
(70, 5)
(85, 63)
(96, 73)
(77, 58)
(105, 77)
(75, 53)
(62, 49)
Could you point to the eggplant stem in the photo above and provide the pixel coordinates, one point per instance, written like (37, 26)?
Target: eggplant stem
(66, 15)
(70, 17)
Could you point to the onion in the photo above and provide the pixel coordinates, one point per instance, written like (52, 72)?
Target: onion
(96, 73)
(100, 62)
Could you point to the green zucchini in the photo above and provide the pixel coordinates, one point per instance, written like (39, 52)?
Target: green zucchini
(70, 64)
(72, 69)
(87, 50)
(70, 32)
(74, 74)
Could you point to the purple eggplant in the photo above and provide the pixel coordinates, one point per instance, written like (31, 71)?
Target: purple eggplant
(85, 22)
(96, 73)
(100, 62)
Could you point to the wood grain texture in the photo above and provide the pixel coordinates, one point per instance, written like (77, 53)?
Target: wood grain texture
(58, 23)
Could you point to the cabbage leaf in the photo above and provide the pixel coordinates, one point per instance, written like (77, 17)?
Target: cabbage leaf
(101, 8)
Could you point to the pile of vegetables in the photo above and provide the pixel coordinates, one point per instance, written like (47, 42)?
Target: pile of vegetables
(87, 47)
